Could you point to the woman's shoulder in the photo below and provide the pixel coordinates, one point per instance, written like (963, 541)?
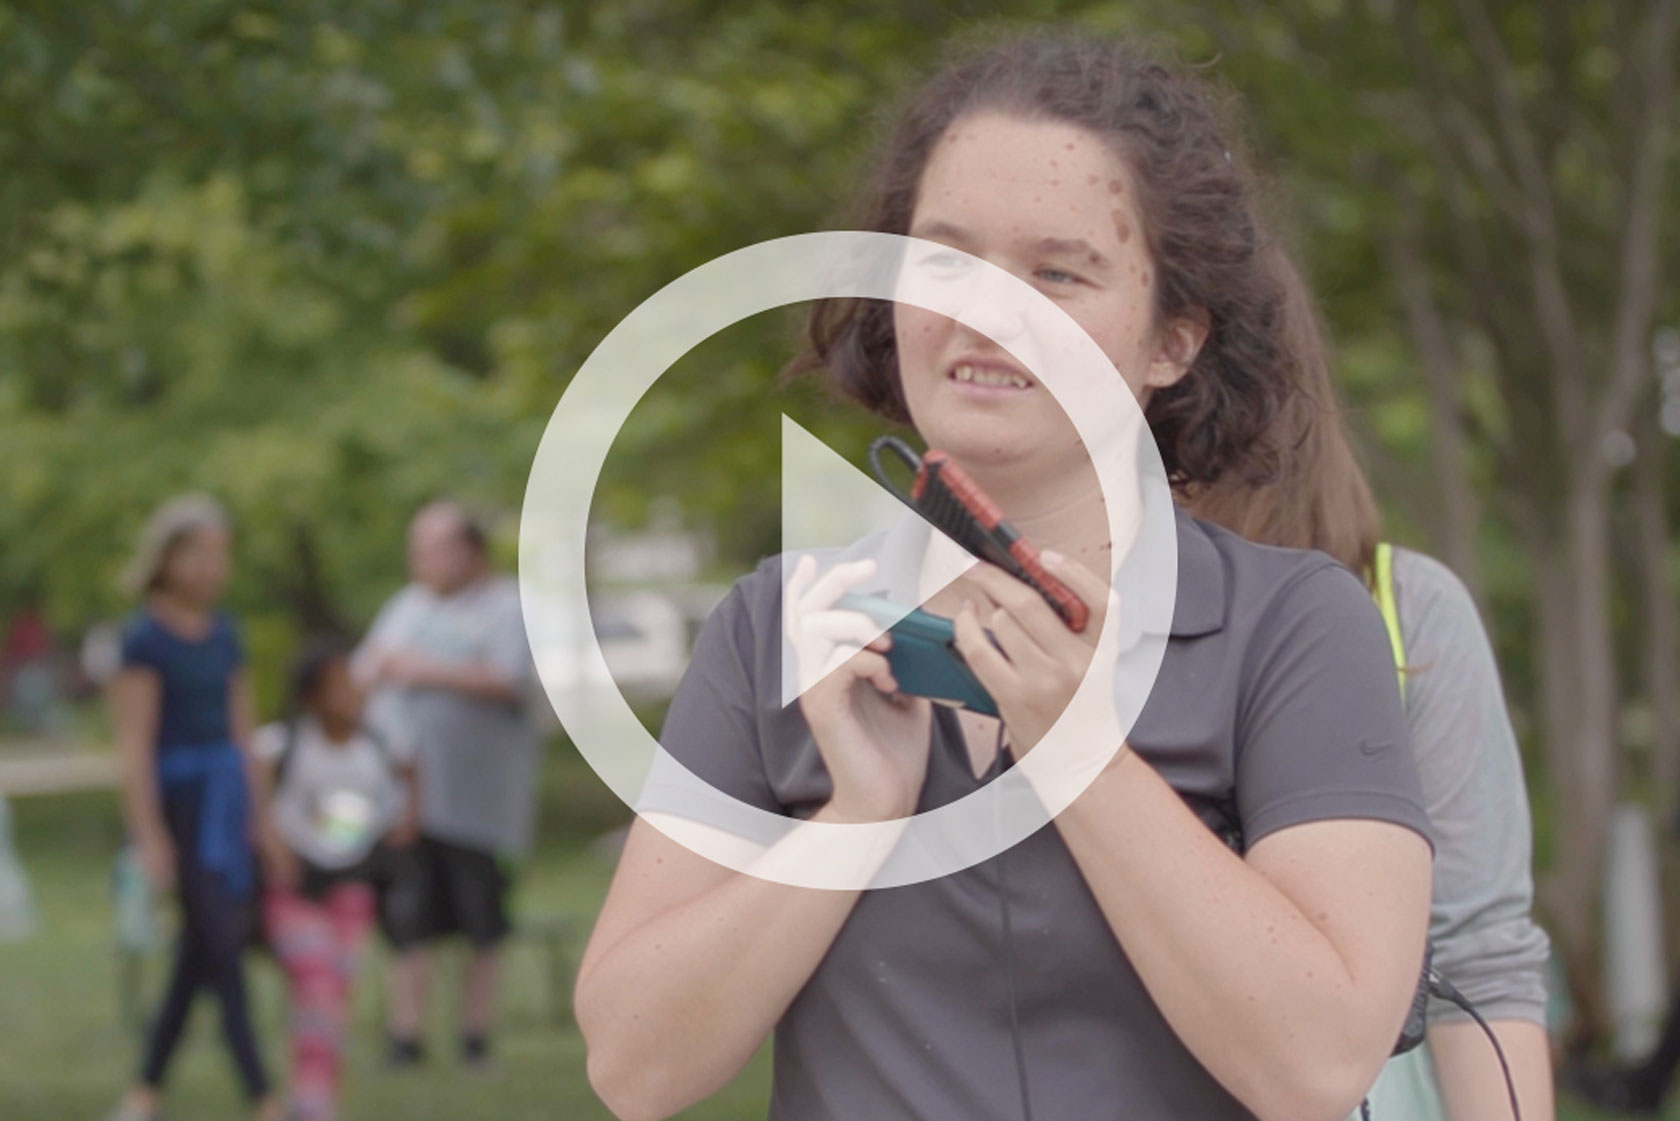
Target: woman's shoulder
(143, 639)
(139, 625)
(1426, 589)
(1268, 581)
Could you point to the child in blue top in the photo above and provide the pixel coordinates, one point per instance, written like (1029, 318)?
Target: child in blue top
(181, 711)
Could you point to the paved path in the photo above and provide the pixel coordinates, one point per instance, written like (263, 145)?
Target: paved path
(40, 769)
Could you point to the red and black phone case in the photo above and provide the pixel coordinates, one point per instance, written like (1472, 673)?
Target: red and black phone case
(944, 494)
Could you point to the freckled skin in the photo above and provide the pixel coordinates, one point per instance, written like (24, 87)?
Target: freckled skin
(993, 183)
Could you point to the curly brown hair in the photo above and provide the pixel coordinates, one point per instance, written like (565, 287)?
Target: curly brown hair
(1214, 260)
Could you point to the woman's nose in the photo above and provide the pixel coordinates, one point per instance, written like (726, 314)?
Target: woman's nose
(994, 305)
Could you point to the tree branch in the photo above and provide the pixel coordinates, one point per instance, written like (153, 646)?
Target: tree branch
(1554, 311)
(1457, 511)
(1500, 83)
(1642, 207)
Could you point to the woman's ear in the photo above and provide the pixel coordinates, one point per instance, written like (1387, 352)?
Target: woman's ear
(1181, 340)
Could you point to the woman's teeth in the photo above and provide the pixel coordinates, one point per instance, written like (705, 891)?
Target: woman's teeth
(981, 375)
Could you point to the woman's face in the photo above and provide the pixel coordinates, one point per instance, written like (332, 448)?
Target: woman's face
(1052, 204)
(199, 564)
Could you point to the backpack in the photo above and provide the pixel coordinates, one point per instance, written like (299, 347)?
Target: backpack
(289, 746)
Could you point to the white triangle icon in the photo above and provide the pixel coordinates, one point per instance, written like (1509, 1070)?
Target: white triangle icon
(828, 504)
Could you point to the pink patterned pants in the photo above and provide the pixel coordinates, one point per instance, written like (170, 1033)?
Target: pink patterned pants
(318, 943)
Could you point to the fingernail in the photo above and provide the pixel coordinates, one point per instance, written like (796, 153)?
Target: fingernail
(1051, 558)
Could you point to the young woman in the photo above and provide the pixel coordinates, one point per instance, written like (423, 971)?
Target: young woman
(1484, 938)
(1129, 962)
(339, 795)
(182, 713)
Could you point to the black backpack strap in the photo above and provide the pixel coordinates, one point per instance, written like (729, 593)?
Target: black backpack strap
(288, 749)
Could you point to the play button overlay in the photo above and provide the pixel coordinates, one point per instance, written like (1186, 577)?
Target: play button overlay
(828, 507)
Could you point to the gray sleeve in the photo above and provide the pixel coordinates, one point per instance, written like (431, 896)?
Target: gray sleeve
(711, 727)
(1486, 942)
(379, 633)
(506, 648)
(1321, 735)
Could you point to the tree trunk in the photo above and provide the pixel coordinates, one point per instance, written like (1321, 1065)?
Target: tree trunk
(1661, 648)
(306, 587)
(1578, 702)
(1458, 512)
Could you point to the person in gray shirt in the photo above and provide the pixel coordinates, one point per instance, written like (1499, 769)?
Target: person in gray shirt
(451, 673)
(1228, 923)
(1484, 937)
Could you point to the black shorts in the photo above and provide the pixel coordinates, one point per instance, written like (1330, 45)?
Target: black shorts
(437, 888)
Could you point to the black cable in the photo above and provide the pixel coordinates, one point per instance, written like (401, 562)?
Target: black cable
(1009, 951)
(1441, 987)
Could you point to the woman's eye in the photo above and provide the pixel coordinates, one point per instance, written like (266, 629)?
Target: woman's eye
(944, 262)
(1058, 276)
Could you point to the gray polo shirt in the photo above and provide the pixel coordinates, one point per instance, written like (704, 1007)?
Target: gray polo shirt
(1276, 705)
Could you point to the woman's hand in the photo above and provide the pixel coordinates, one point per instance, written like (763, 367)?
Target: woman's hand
(405, 832)
(874, 741)
(157, 859)
(280, 865)
(1036, 664)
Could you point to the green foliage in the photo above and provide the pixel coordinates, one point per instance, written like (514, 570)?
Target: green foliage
(327, 260)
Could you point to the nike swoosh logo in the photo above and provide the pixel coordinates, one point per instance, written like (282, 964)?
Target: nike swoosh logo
(1369, 748)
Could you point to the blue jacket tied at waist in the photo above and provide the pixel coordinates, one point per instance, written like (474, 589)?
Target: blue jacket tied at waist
(224, 813)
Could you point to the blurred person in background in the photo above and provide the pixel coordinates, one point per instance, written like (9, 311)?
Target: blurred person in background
(451, 672)
(193, 796)
(343, 799)
(1484, 938)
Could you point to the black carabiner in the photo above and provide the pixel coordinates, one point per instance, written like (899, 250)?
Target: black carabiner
(906, 455)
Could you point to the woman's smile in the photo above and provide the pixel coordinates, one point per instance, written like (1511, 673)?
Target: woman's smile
(988, 379)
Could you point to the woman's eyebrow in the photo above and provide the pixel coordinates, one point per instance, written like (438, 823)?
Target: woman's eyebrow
(940, 230)
(1068, 248)
(1072, 247)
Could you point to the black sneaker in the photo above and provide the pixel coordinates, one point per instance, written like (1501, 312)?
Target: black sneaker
(475, 1050)
(403, 1054)
(1614, 1088)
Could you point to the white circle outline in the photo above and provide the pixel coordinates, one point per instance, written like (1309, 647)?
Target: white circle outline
(573, 451)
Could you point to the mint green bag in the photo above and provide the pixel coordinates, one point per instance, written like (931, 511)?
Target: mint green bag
(1407, 1090)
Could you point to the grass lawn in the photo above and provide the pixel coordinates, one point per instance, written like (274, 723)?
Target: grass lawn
(64, 1055)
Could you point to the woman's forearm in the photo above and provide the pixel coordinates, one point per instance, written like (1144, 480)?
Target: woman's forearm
(1256, 989)
(674, 1008)
(1472, 1083)
(133, 704)
(142, 807)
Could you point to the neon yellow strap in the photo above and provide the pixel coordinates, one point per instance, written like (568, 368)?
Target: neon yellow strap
(1384, 593)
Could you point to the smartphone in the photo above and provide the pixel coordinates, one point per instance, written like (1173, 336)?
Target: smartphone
(923, 655)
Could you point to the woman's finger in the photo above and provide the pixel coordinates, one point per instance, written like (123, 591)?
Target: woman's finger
(850, 662)
(986, 660)
(799, 581)
(1023, 651)
(1023, 602)
(843, 626)
(1089, 586)
(834, 583)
